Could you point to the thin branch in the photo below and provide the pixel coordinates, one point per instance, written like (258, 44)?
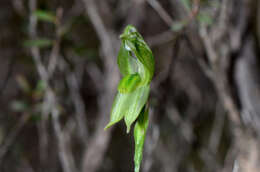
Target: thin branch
(161, 11)
(42, 127)
(56, 47)
(221, 28)
(79, 105)
(97, 146)
(161, 38)
(204, 66)
(64, 152)
(171, 35)
(66, 156)
(4, 148)
(8, 74)
(217, 129)
(43, 134)
(219, 78)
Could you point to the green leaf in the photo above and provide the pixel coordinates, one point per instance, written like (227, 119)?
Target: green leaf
(36, 117)
(137, 102)
(139, 136)
(39, 90)
(19, 106)
(205, 19)
(41, 86)
(178, 25)
(41, 43)
(129, 83)
(186, 4)
(46, 16)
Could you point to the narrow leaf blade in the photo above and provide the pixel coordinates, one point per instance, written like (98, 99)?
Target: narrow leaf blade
(41, 43)
(139, 136)
(46, 16)
(205, 19)
(186, 4)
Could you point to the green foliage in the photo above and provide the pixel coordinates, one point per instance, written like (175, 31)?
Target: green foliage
(204, 19)
(46, 16)
(41, 43)
(31, 103)
(19, 106)
(186, 4)
(178, 25)
(139, 135)
(136, 64)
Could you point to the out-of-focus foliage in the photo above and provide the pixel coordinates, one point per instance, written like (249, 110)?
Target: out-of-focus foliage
(41, 43)
(45, 16)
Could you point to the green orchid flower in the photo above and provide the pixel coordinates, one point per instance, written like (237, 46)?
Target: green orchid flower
(136, 64)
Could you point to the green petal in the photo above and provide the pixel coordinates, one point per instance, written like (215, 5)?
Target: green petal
(128, 105)
(127, 65)
(129, 83)
(137, 102)
(144, 56)
(120, 106)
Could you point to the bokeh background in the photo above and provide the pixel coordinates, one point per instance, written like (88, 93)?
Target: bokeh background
(58, 78)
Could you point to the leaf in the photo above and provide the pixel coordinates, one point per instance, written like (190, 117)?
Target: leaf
(178, 25)
(19, 106)
(137, 102)
(139, 136)
(45, 16)
(186, 4)
(41, 43)
(129, 83)
(41, 86)
(36, 117)
(205, 19)
(39, 90)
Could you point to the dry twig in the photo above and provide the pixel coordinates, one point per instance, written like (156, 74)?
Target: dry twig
(97, 146)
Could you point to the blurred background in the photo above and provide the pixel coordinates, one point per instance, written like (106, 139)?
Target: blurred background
(58, 78)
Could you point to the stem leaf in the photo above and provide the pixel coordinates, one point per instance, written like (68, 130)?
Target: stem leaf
(139, 136)
(46, 16)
